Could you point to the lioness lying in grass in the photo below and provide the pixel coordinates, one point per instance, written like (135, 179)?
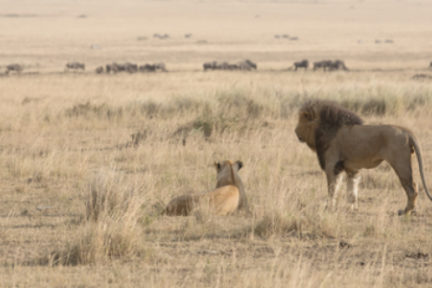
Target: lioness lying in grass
(228, 196)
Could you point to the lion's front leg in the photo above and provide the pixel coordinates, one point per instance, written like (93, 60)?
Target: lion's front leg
(333, 183)
(352, 188)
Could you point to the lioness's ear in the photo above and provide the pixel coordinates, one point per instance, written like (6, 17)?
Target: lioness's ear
(217, 165)
(239, 164)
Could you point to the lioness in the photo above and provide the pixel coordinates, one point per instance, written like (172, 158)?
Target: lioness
(225, 199)
(343, 143)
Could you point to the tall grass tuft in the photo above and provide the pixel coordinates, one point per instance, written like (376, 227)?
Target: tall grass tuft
(113, 228)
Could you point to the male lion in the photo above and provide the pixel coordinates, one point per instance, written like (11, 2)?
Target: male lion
(228, 196)
(343, 143)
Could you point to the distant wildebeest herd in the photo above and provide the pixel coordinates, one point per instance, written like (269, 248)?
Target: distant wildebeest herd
(75, 66)
(120, 67)
(330, 65)
(246, 65)
(325, 65)
(132, 68)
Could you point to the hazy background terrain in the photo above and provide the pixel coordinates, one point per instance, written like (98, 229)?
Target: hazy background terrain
(46, 34)
(65, 135)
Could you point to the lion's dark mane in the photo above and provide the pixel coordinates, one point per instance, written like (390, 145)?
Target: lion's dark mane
(332, 117)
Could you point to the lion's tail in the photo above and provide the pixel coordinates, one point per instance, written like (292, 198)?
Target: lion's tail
(414, 143)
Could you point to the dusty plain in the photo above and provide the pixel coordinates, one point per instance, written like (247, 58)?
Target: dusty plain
(148, 137)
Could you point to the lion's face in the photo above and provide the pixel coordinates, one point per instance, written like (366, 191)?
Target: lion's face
(306, 127)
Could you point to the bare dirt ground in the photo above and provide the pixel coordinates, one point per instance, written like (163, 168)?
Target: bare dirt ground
(64, 134)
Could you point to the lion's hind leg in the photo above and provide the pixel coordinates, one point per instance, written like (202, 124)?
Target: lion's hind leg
(181, 205)
(405, 174)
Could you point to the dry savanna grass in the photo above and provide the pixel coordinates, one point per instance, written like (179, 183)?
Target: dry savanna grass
(88, 161)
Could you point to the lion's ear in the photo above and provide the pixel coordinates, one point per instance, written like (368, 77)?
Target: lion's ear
(217, 165)
(239, 164)
(305, 115)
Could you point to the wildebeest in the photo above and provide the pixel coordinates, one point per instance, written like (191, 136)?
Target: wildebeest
(302, 64)
(75, 66)
(422, 76)
(126, 67)
(188, 35)
(321, 64)
(243, 65)
(285, 36)
(329, 65)
(99, 70)
(233, 67)
(129, 67)
(13, 67)
(246, 65)
(147, 68)
(430, 65)
(160, 66)
(293, 38)
(160, 36)
(222, 66)
(337, 65)
(209, 65)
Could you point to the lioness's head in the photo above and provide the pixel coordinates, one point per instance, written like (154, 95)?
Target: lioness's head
(306, 127)
(224, 173)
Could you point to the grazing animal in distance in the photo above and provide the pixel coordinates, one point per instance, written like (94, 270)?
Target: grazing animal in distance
(247, 65)
(321, 64)
(128, 67)
(343, 143)
(153, 67)
(228, 197)
(301, 64)
(147, 68)
(160, 66)
(422, 76)
(160, 36)
(209, 65)
(99, 70)
(430, 65)
(13, 67)
(336, 65)
(222, 66)
(75, 66)
(233, 67)
(251, 64)
(125, 67)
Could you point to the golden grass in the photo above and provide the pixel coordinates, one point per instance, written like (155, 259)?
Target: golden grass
(88, 160)
(61, 153)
